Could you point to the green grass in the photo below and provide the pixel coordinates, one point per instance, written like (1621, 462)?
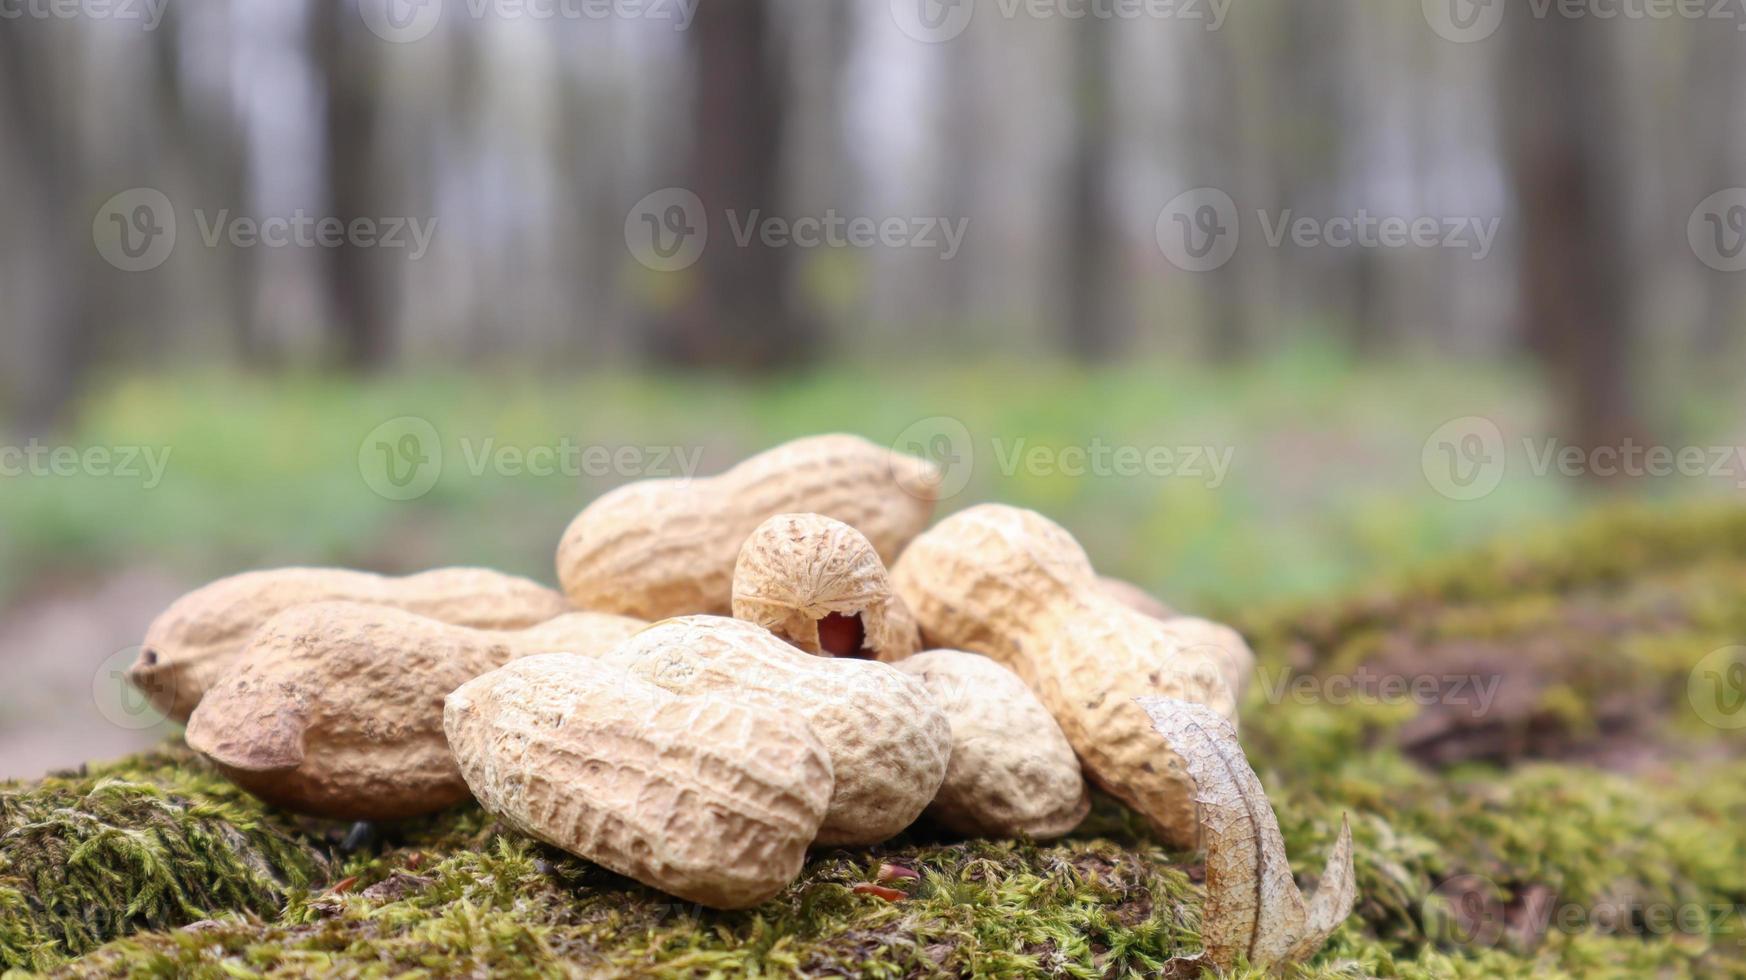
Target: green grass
(1325, 486)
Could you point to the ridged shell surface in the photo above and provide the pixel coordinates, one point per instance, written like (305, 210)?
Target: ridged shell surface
(336, 708)
(797, 569)
(1013, 585)
(1013, 773)
(706, 799)
(889, 743)
(663, 548)
(197, 638)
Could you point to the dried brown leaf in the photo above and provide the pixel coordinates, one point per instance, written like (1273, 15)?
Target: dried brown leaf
(1253, 906)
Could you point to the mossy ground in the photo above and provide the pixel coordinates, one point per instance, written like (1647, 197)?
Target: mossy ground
(1588, 823)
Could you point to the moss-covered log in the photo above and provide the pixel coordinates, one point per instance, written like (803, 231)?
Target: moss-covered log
(1590, 821)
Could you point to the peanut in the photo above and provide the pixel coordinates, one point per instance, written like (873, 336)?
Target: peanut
(888, 741)
(1012, 772)
(819, 584)
(1238, 660)
(196, 640)
(335, 709)
(706, 799)
(663, 548)
(1013, 585)
(1134, 597)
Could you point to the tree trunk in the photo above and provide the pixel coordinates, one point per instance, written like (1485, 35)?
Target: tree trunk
(360, 285)
(1091, 331)
(740, 311)
(1576, 297)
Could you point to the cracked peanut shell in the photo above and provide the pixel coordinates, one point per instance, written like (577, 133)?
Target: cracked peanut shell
(819, 584)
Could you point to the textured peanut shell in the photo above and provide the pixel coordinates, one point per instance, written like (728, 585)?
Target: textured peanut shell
(1012, 772)
(193, 642)
(797, 570)
(1013, 585)
(1134, 597)
(1227, 646)
(663, 548)
(335, 710)
(703, 798)
(889, 742)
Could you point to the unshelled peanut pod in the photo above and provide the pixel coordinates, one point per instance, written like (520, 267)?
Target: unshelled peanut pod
(662, 548)
(1013, 585)
(1012, 772)
(335, 709)
(200, 635)
(889, 742)
(705, 798)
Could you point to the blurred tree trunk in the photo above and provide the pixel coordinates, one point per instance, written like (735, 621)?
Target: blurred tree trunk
(740, 311)
(1219, 158)
(38, 65)
(1092, 331)
(1576, 295)
(359, 284)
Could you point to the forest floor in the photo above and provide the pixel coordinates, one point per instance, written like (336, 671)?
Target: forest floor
(1569, 799)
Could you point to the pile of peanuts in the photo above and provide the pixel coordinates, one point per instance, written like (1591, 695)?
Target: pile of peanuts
(730, 677)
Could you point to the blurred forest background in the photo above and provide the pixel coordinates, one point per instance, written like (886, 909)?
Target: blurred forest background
(550, 148)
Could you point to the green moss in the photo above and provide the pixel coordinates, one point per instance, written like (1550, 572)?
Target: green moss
(151, 842)
(1568, 862)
